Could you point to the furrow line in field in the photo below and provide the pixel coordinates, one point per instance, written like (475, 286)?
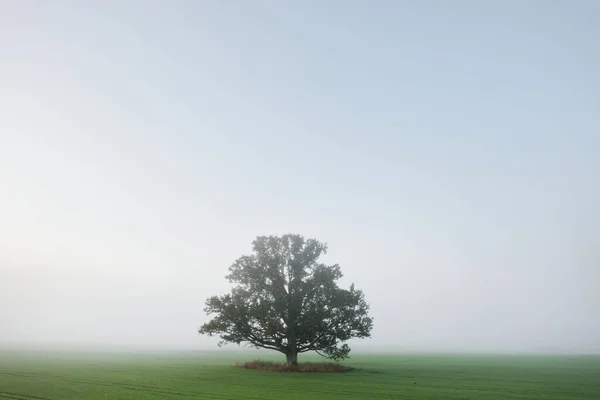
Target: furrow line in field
(122, 385)
(349, 391)
(19, 396)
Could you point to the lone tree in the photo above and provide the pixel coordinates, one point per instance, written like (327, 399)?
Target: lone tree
(285, 300)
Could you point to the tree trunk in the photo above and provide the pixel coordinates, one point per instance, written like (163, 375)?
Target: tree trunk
(292, 359)
(292, 347)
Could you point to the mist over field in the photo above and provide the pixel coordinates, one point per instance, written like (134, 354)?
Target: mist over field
(446, 152)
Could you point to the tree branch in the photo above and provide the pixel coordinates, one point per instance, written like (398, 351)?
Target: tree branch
(319, 336)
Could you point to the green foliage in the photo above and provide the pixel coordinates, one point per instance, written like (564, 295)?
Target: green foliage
(285, 300)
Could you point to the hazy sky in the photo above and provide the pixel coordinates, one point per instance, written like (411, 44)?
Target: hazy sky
(448, 153)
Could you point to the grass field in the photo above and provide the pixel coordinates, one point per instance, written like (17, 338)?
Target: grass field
(61, 376)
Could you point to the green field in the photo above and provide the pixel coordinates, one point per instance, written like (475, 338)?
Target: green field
(61, 376)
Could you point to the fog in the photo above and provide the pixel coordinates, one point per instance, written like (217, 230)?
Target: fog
(447, 152)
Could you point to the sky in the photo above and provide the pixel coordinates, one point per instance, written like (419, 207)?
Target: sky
(447, 152)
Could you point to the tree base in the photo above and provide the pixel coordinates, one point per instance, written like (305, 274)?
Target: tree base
(301, 367)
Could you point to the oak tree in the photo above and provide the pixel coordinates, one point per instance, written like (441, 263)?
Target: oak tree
(285, 300)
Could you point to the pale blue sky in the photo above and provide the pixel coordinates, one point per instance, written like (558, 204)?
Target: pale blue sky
(448, 152)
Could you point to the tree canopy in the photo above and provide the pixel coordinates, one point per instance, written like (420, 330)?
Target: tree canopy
(284, 299)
